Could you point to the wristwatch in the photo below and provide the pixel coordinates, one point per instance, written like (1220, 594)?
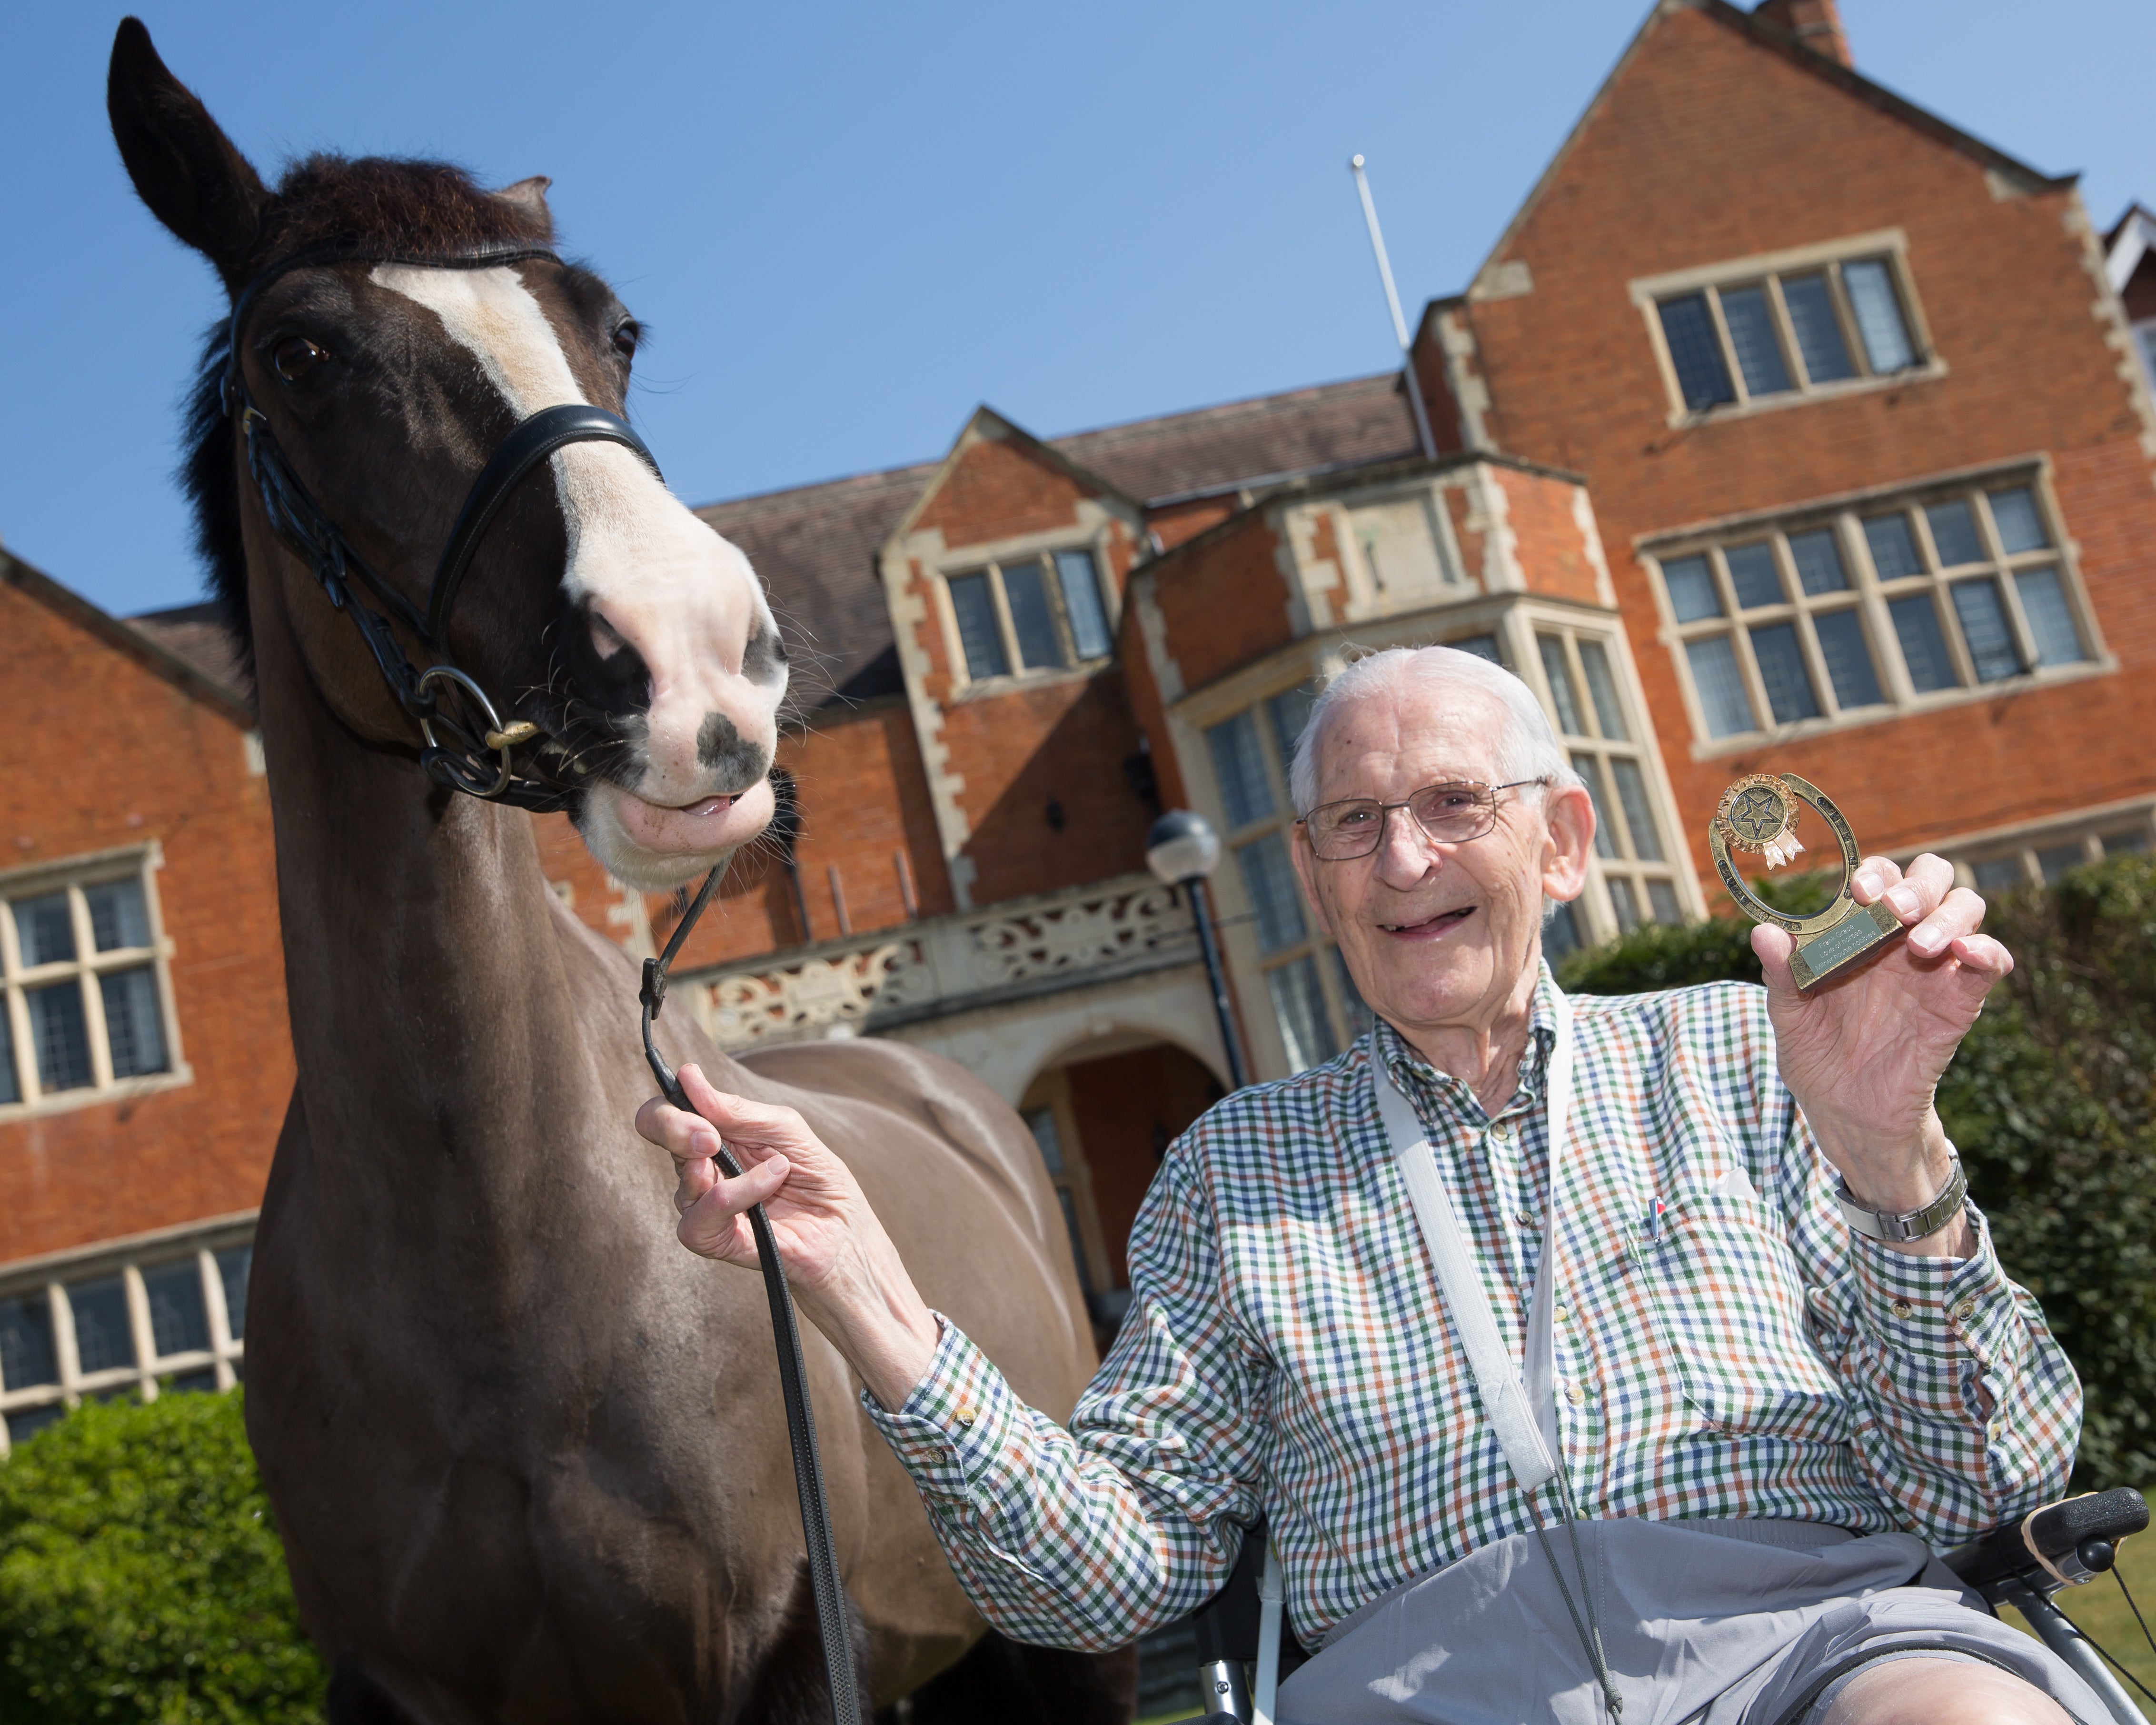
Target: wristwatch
(1913, 1224)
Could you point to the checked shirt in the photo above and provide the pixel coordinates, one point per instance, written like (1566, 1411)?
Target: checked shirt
(1725, 1345)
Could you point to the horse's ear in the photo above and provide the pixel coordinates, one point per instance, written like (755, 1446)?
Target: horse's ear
(531, 195)
(190, 174)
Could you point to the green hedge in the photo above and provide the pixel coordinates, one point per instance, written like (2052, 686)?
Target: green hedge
(141, 1577)
(2050, 1104)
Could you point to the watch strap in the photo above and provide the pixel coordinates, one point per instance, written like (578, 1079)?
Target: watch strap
(1909, 1226)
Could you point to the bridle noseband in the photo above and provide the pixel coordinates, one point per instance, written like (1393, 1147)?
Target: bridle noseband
(472, 751)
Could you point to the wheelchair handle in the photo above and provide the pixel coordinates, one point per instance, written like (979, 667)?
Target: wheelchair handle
(2074, 1540)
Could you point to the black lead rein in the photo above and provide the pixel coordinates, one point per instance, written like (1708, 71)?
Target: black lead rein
(831, 1618)
(476, 759)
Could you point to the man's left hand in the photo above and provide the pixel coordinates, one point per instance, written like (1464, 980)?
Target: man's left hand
(1863, 1054)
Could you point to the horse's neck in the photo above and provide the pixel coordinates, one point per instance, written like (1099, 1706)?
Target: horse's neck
(427, 981)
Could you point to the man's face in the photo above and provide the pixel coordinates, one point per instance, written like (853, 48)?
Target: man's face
(1439, 936)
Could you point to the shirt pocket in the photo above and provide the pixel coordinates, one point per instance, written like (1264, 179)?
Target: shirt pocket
(1729, 1311)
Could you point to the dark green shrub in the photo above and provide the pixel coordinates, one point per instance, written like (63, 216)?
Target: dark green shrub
(2050, 1104)
(141, 1577)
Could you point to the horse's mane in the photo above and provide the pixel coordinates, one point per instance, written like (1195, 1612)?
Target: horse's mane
(413, 209)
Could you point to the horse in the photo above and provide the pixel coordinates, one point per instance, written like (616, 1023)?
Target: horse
(527, 1455)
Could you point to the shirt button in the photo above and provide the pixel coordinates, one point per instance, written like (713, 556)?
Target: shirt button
(1502, 1131)
(1965, 1311)
(1902, 1308)
(1562, 1310)
(1574, 1395)
(964, 1415)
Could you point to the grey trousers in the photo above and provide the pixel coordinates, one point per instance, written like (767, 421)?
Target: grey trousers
(1713, 1623)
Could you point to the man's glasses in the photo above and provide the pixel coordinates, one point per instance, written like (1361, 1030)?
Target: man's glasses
(1447, 814)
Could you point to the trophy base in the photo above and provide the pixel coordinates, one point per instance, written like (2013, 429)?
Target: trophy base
(1862, 930)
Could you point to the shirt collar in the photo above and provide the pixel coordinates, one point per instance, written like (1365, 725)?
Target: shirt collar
(1441, 1093)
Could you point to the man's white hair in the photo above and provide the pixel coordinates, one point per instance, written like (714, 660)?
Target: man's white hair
(1523, 748)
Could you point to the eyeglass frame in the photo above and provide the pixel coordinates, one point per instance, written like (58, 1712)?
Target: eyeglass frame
(1406, 802)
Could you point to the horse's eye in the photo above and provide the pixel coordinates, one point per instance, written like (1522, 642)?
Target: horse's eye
(625, 339)
(295, 356)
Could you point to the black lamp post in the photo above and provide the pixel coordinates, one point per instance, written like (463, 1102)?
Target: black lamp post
(1182, 850)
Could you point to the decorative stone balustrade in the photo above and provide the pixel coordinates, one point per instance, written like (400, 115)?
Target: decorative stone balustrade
(948, 964)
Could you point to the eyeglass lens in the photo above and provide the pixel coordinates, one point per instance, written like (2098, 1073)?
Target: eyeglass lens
(1450, 813)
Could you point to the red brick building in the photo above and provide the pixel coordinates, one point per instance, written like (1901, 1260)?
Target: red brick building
(1845, 471)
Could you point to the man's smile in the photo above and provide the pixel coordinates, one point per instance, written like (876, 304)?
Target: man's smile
(1431, 927)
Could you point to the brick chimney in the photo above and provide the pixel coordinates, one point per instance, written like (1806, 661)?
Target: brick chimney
(1816, 23)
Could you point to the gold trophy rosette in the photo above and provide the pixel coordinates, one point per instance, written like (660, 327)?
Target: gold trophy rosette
(1758, 813)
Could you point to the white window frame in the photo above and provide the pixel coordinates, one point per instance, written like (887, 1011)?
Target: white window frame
(990, 560)
(140, 863)
(1890, 246)
(2091, 835)
(1870, 596)
(52, 1276)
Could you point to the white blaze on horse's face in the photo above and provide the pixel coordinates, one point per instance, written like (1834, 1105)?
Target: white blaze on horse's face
(651, 578)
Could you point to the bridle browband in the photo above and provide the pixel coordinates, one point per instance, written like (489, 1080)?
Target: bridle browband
(463, 764)
(474, 752)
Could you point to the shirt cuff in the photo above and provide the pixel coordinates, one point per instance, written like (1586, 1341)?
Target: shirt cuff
(1943, 1308)
(949, 1431)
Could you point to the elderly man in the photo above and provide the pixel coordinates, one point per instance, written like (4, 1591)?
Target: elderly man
(1760, 1412)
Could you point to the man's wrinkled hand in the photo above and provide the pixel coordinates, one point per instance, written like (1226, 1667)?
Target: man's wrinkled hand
(1863, 1053)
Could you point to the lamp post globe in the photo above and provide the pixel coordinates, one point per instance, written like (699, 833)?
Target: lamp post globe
(1182, 850)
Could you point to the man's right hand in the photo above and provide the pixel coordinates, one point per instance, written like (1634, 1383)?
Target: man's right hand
(845, 1270)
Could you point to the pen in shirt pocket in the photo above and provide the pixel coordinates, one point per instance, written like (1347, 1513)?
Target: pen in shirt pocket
(1651, 1224)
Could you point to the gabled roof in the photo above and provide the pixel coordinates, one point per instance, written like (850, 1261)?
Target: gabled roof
(2129, 241)
(816, 546)
(152, 654)
(986, 424)
(1777, 41)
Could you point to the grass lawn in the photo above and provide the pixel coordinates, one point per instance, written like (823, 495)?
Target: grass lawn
(2099, 1608)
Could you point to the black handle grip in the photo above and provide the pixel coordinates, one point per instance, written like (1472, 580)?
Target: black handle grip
(2058, 1531)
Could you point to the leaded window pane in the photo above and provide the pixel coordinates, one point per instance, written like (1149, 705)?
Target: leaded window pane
(1602, 685)
(1662, 901)
(1299, 1005)
(134, 1028)
(1240, 769)
(2050, 618)
(1590, 770)
(1753, 575)
(1639, 812)
(1893, 547)
(1561, 934)
(1290, 711)
(1562, 695)
(975, 609)
(1872, 301)
(1923, 646)
(1789, 684)
(1623, 902)
(103, 1337)
(1033, 620)
(1848, 658)
(1953, 532)
(1041, 1123)
(2019, 522)
(1082, 602)
(45, 928)
(1692, 594)
(1817, 330)
(1817, 559)
(2053, 860)
(1703, 378)
(27, 1355)
(1991, 649)
(1751, 324)
(1269, 882)
(2000, 874)
(179, 1323)
(233, 1264)
(1359, 1019)
(1481, 646)
(60, 1036)
(2134, 842)
(10, 1087)
(118, 915)
(1722, 701)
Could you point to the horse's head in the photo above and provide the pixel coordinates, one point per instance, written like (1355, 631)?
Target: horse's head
(596, 608)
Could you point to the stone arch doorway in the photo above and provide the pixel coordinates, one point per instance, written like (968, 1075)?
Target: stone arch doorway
(1104, 1111)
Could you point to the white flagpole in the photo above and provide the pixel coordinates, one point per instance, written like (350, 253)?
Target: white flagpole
(1392, 300)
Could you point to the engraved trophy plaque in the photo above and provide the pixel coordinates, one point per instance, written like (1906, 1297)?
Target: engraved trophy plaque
(1758, 813)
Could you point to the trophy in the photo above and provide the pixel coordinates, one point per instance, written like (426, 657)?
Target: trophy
(1759, 813)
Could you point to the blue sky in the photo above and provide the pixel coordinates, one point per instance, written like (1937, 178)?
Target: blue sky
(847, 225)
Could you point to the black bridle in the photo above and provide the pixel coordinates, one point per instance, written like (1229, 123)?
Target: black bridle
(473, 752)
(475, 731)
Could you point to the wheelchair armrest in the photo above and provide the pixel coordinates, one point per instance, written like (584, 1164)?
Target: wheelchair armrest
(2078, 1536)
